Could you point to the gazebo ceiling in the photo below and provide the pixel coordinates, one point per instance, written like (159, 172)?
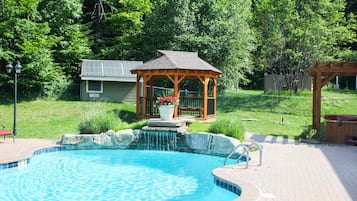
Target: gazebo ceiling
(337, 68)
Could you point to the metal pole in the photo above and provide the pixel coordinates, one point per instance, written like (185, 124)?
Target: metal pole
(15, 101)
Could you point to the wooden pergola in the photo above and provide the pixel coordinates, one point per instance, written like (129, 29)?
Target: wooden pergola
(322, 73)
(176, 66)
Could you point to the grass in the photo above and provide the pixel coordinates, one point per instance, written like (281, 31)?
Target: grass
(273, 114)
(49, 119)
(283, 114)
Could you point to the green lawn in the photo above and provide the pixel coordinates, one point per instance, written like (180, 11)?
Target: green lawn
(50, 119)
(280, 115)
(285, 116)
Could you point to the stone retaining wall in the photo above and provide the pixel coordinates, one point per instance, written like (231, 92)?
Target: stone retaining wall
(196, 142)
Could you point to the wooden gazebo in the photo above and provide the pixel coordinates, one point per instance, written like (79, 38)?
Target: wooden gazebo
(176, 66)
(322, 73)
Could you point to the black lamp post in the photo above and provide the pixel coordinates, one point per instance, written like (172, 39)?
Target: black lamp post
(15, 70)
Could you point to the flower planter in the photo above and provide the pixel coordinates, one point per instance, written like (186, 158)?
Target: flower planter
(166, 112)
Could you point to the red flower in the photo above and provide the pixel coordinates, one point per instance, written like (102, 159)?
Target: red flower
(167, 100)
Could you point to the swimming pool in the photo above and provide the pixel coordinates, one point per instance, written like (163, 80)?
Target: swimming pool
(127, 175)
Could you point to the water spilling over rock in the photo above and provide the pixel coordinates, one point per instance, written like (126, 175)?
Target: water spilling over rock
(160, 134)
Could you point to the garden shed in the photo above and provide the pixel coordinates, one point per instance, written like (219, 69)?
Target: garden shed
(108, 80)
(278, 82)
(176, 66)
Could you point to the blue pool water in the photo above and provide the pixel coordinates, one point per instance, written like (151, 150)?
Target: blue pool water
(124, 175)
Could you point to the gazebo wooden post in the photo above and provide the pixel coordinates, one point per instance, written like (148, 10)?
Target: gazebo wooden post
(144, 97)
(214, 95)
(138, 76)
(151, 95)
(205, 97)
(176, 92)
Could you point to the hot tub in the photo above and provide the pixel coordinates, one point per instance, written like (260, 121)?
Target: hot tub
(340, 128)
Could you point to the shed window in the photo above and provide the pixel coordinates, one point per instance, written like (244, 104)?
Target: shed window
(94, 86)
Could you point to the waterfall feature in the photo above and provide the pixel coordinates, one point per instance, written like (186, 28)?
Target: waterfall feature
(161, 134)
(164, 140)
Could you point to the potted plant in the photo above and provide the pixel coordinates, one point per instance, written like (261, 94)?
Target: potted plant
(167, 106)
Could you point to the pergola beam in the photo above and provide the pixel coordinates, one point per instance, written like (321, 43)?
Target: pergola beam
(322, 73)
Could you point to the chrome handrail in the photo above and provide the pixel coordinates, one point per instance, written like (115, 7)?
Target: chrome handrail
(260, 147)
(246, 153)
(246, 150)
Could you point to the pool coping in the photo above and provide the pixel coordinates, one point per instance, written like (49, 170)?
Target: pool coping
(249, 192)
(24, 161)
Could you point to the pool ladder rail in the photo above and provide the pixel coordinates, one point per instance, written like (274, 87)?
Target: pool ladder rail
(245, 153)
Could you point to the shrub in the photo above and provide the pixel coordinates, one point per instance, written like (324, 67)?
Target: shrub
(229, 127)
(98, 123)
(310, 133)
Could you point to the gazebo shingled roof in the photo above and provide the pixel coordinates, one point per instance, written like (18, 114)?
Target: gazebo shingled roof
(174, 60)
(176, 66)
(322, 73)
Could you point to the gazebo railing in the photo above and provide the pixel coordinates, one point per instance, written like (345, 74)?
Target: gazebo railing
(188, 106)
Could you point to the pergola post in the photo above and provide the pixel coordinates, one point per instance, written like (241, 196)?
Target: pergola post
(316, 103)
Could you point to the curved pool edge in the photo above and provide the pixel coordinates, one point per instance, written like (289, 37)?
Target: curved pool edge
(249, 192)
(18, 154)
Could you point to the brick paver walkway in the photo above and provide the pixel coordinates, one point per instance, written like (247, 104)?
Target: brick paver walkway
(293, 171)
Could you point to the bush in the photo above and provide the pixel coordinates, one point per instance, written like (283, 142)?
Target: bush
(230, 127)
(98, 123)
(310, 133)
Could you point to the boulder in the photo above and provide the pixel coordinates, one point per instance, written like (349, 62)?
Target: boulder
(103, 139)
(122, 139)
(198, 141)
(209, 143)
(111, 139)
(222, 144)
(76, 139)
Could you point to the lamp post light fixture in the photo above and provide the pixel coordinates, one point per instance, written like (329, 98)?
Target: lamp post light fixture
(15, 70)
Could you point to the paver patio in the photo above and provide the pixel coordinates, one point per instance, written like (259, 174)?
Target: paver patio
(294, 171)
(291, 171)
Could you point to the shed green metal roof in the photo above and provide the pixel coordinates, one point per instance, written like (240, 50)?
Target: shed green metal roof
(108, 70)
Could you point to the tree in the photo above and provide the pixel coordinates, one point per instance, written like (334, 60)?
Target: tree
(218, 30)
(117, 25)
(294, 33)
(64, 19)
(23, 38)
